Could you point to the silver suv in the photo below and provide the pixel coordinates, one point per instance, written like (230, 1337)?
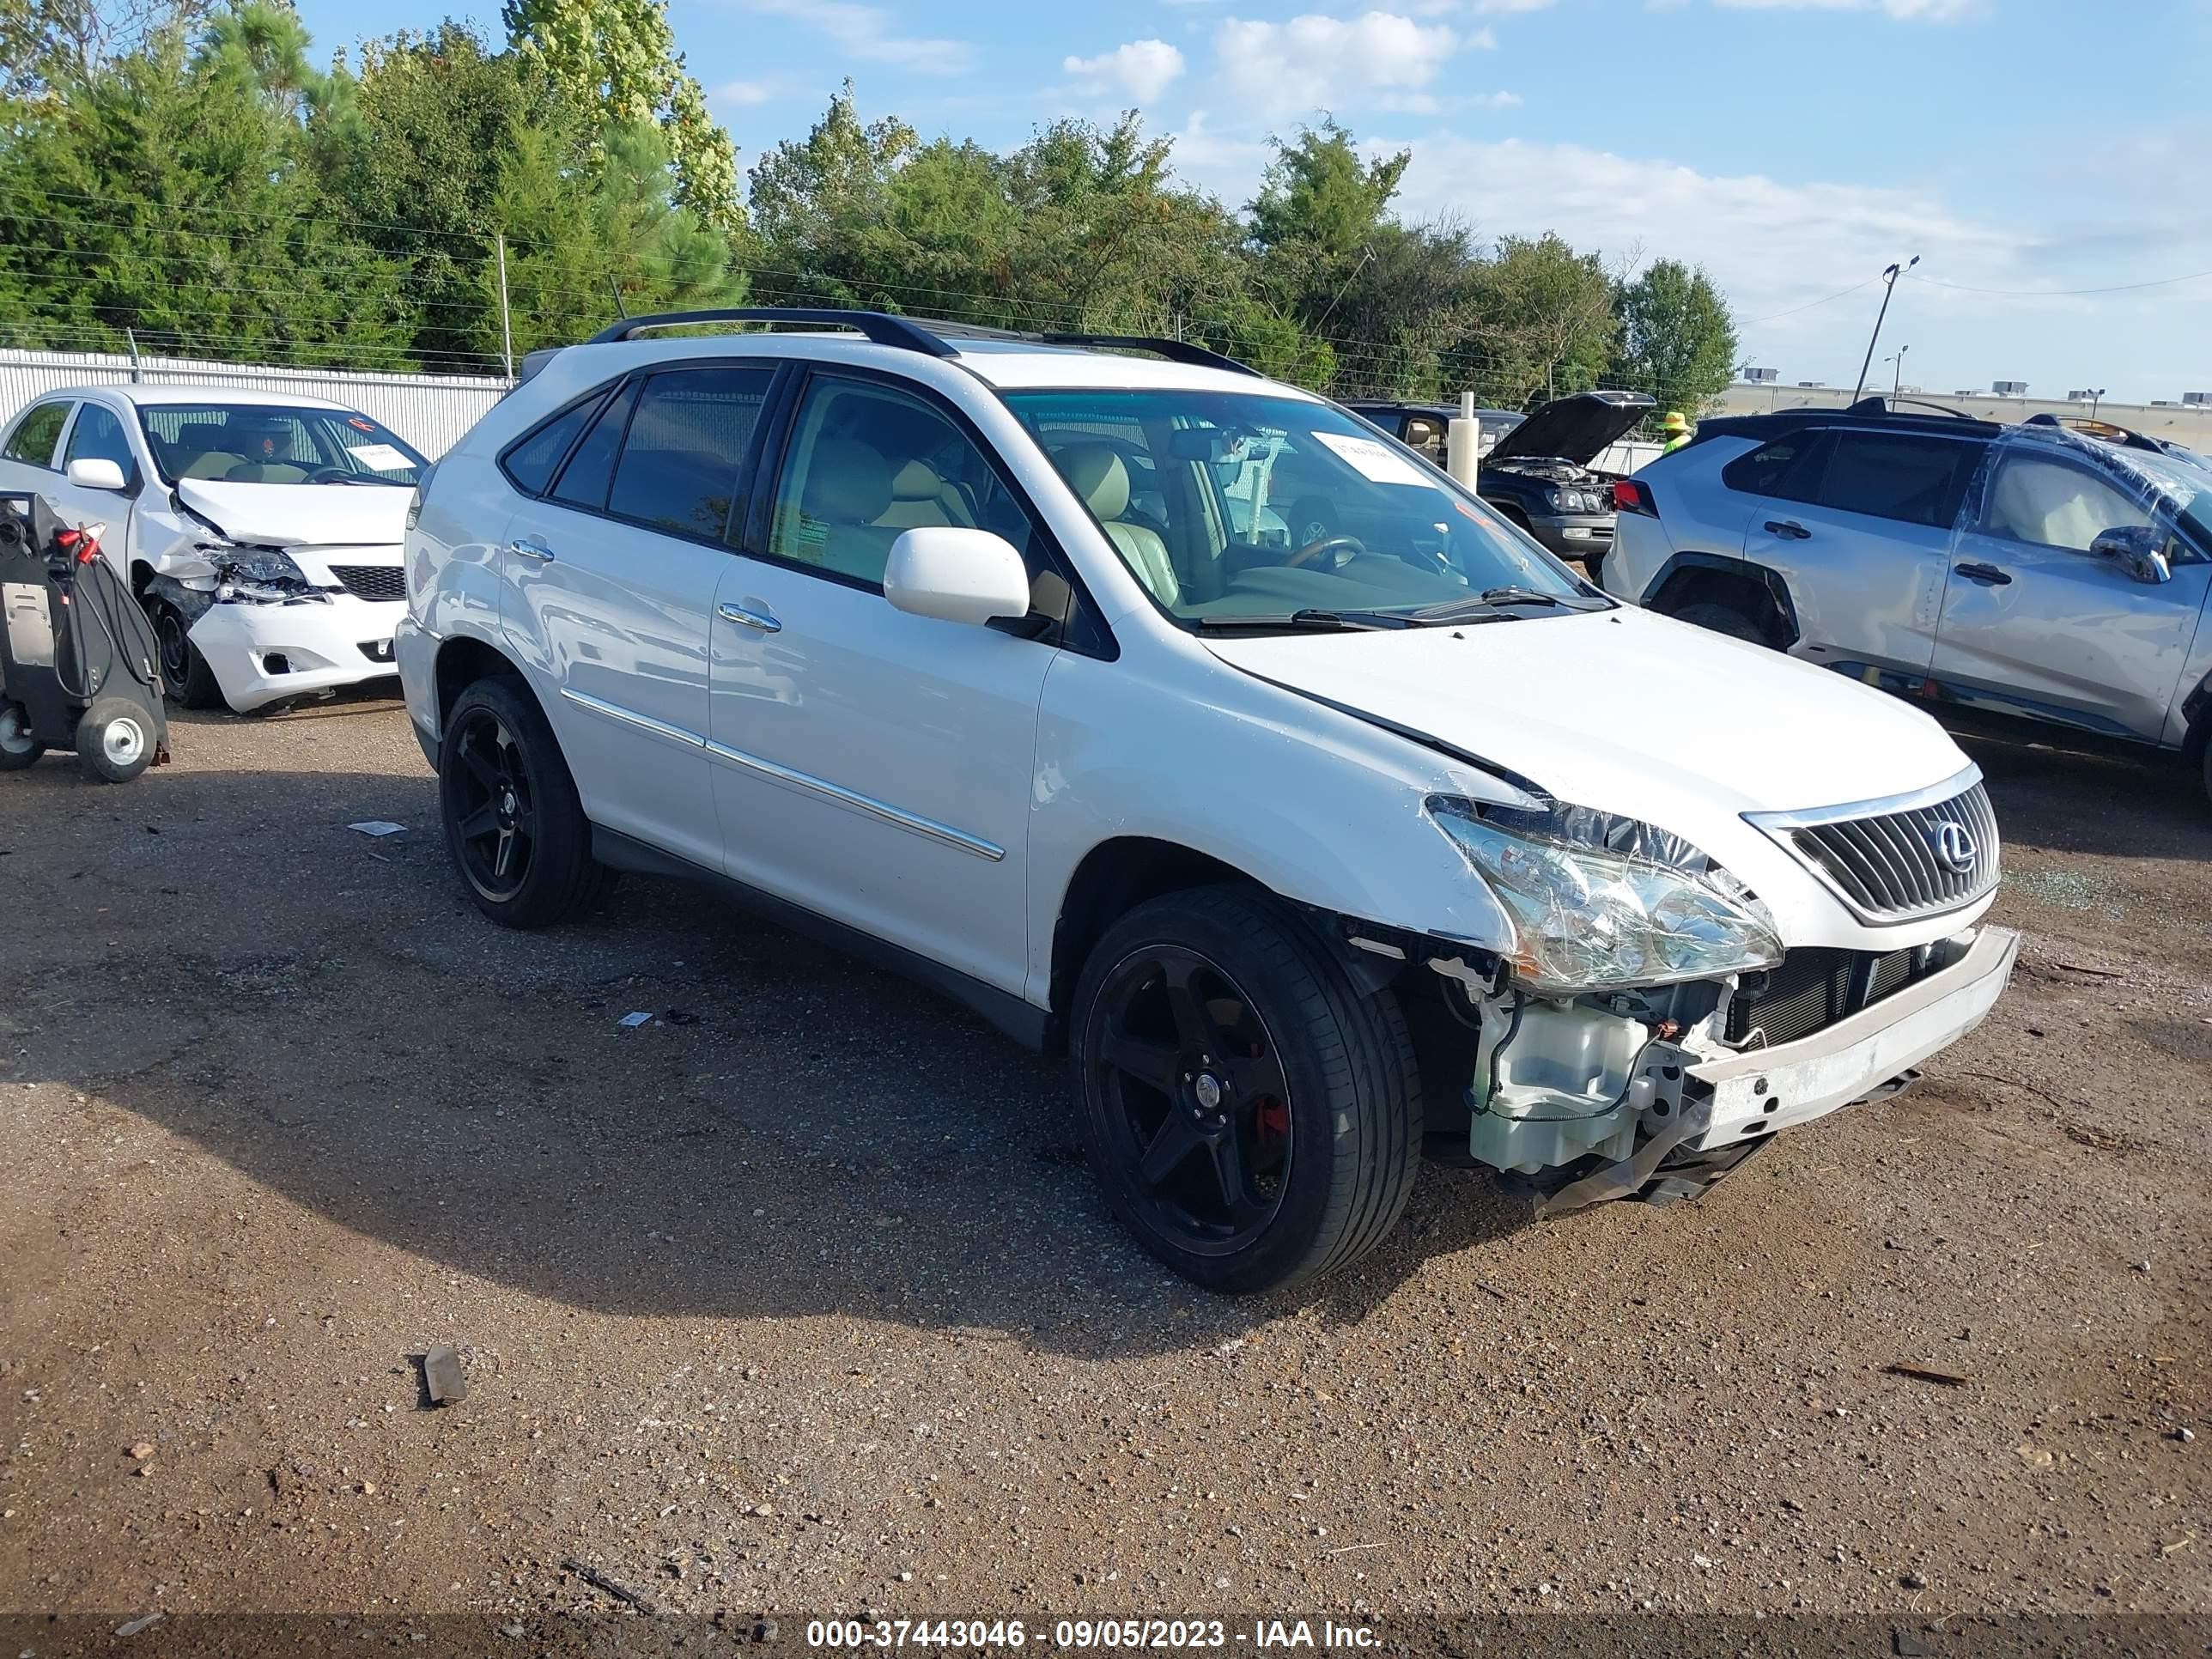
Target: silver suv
(2029, 571)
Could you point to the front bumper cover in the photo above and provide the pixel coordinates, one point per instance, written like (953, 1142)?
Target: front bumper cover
(1872, 1052)
(265, 653)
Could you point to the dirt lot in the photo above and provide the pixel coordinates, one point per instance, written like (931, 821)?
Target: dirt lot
(799, 1300)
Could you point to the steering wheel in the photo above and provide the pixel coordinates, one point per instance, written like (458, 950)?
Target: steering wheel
(331, 474)
(1332, 552)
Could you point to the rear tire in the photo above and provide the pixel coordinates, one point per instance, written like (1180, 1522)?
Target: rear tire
(18, 747)
(1724, 617)
(514, 827)
(185, 672)
(1254, 1120)
(114, 740)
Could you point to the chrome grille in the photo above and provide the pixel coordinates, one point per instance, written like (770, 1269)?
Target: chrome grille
(1894, 860)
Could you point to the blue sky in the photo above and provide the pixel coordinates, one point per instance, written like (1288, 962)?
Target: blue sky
(1791, 147)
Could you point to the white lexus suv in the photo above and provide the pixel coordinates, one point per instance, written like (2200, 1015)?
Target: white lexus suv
(993, 657)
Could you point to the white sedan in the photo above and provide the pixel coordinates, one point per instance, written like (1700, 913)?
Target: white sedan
(261, 531)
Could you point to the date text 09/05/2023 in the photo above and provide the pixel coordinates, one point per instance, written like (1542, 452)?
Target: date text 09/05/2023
(853, 1635)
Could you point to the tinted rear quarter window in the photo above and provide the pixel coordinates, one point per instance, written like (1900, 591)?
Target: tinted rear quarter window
(584, 480)
(1899, 475)
(36, 434)
(1784, 468)
(529, 465)
(687, 442)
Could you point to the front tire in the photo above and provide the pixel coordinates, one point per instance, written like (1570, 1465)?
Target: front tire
(114, 740)
(1254, 1120)
(185, 672)
(1724, 618)
(514, 827)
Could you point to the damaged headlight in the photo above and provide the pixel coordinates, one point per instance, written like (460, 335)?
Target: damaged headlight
(258, 575)
(1589, 913)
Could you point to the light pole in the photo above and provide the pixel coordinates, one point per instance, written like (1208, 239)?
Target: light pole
(1889, 278)
(2095, 397)
(1897, 382)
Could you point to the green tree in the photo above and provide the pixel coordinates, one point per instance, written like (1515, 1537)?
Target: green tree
(165, 192)
(619, 56)
(1545, 324)
(1318, 191)
(575, 240)
(805, 194)
(1677, 337)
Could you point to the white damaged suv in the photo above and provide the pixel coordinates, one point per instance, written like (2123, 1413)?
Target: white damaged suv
(977, 653)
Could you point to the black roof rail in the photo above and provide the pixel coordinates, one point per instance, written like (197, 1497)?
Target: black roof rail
(880, 326)
(927, 335)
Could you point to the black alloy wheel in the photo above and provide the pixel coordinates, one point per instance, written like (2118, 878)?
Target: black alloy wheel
(1253, 1113)
(1196, 1103)
(489, 799)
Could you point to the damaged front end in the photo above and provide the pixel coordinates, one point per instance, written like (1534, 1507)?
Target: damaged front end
(1614, 1048)
(207, 568)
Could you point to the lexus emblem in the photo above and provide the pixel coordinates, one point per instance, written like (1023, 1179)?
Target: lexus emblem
(1956, 848)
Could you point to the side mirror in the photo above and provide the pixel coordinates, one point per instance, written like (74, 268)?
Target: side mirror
(956, 575)
(96, 474)
(2137, 549)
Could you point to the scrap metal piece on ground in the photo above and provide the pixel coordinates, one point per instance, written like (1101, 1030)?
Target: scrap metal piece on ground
(613, 1587)
(1922, 1374)
(377, 827)
(442, 1378)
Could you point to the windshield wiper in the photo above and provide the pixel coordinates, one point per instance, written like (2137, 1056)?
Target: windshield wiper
(1499, 603)
(1313, 621)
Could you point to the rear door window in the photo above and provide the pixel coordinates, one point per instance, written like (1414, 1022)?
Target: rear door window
(36, 433)
(687, 444)
(1901, 476)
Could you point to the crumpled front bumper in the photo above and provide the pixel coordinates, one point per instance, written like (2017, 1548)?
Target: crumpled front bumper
(1747, 1096)
(265, 653)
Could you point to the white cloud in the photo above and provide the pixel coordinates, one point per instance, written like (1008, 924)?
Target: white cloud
(743, 93)
(1502, 6)
(1923, 11)
(1142, 69)
(870, 33)
(1313, 61)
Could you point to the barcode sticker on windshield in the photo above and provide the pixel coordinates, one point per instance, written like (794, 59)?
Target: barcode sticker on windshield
(380, 458)
(1373, 459)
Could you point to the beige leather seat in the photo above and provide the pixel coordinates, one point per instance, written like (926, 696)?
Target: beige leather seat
(847, 489)
(1095, 473)
(920, 498)
(2054, 506)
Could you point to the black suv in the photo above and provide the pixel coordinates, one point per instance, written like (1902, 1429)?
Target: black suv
(1538, 473)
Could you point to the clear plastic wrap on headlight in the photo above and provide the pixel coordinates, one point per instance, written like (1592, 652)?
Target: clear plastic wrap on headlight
(1587, 916)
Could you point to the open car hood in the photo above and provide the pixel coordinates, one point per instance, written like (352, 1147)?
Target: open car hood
(1577, 429)
(301, 515)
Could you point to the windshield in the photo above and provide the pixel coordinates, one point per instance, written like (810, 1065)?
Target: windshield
(1228, 506)
(274, 444)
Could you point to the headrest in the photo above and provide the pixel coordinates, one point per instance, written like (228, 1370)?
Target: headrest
(1094, 472)
(846, 483)
(917, 481)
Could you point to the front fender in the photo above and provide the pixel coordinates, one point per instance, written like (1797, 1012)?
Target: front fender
(1316, 805)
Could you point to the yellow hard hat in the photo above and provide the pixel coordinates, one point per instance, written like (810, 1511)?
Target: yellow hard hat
(1674, 423)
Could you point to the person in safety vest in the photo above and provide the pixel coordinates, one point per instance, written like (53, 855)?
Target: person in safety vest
(1677, 430)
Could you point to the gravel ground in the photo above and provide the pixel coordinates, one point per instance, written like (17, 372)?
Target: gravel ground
(799, 1299)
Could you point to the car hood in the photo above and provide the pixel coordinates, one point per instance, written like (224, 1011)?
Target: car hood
(1627, 711)
(301, 515)
(1578, 428)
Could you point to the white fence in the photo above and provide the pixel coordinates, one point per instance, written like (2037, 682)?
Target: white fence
(430, 411)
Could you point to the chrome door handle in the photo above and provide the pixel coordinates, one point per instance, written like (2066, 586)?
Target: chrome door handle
(744, 618)
(530, 547)
(1988, 575)
(1789, 529)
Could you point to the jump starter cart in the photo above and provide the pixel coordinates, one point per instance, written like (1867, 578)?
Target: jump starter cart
(78, 658)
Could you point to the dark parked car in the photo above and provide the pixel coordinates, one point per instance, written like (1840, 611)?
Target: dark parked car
(1538, 473)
